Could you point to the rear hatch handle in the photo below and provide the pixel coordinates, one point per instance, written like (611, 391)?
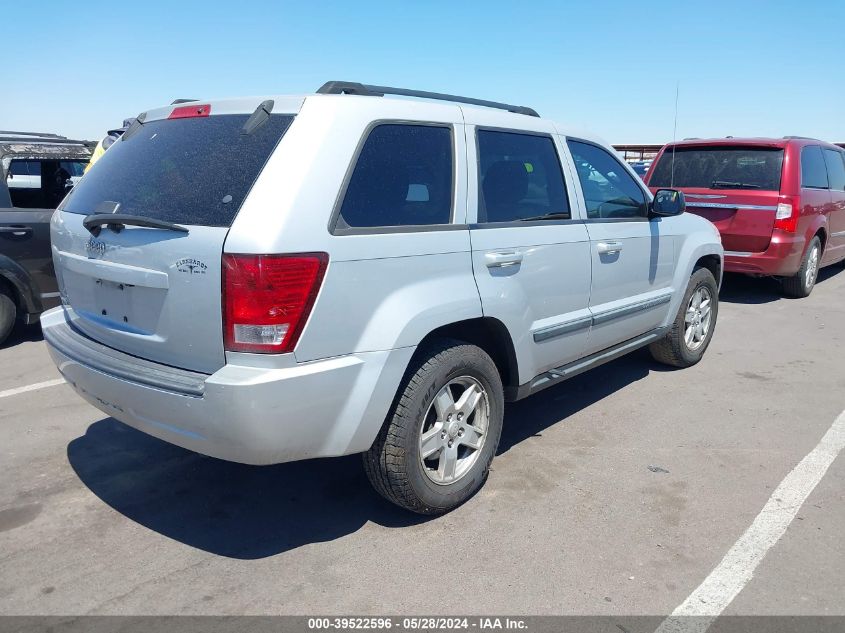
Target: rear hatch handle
(118, 221)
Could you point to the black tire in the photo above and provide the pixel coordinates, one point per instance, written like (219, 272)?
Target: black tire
(798, 286)
(673, 349)
(8, 315)
(393, 463)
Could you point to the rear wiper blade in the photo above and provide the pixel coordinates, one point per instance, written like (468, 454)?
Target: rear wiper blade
(557, 215)
(117, 221)
(727, 184)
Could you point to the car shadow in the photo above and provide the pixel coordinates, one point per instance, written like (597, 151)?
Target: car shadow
(228, 509)
(23, 334)
(251, 512)
(531, 416)
(738, 288)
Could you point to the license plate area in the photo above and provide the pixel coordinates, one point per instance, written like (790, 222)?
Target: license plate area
(113, 301)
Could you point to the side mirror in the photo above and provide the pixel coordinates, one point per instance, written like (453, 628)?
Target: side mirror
(668, 202)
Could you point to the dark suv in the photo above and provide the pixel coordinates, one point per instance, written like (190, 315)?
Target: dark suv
(779, 204)
(36, 171)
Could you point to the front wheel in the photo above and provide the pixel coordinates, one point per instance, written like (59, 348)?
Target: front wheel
(434, 450)
(801, 284)
(693, 328)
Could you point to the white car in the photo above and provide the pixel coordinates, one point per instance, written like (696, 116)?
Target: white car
(272, 279)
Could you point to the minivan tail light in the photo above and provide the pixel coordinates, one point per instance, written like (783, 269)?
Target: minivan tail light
(786, 217)
(267, 299)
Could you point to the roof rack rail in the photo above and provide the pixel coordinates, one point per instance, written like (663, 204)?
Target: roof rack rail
(31, 139)
(354, 88)
(805, 138)
(43, 134)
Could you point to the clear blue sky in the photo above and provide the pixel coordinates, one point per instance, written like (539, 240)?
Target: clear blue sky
(745, 68)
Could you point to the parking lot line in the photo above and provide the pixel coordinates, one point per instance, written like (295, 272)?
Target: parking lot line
(32, 387)
(729, 577)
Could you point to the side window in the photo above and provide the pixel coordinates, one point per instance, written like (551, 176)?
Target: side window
(403, 177)
(74, 168)
(519, 177)
(609, 190)
(20, 167)
(813, 172)
(835, 169)
(37, 184)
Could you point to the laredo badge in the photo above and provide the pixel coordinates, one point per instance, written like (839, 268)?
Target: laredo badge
(191, 266)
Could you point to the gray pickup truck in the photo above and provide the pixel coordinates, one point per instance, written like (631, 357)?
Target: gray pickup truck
(36, 172)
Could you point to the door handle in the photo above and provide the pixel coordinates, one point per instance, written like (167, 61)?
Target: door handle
(606, 248)
(16, 230)
(501, 259)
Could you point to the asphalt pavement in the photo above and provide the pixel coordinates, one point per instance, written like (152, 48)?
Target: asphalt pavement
(617, 492)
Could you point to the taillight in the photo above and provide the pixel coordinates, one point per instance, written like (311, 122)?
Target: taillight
(190, 111)
(267, 299)
(786, 217)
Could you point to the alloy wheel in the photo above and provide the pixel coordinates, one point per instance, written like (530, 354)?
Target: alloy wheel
(812, 268)
(698, 318)
(454, 430)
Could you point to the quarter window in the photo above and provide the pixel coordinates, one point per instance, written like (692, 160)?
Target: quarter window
(519, 178)
(835, 169)
(403, 177)
(813, 172)
(609, 190)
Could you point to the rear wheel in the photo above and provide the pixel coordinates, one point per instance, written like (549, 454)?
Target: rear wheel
(8, 314)
(434, 450)
(802, 283)
(693, 328)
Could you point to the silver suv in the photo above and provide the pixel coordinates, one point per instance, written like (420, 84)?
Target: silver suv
(347, 272)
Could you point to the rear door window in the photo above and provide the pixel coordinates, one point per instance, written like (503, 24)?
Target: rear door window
(188, 171)
(403, 177)
(813, 170)
(609, 190)
(719, 167)
(835, 169)
(520, 178)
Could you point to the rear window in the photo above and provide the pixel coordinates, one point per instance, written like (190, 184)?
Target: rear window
(720, 168)
(189, 171)
(813, 170)
(520, 178)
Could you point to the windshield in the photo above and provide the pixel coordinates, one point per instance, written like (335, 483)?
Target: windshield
(720, 168)
(188, 171)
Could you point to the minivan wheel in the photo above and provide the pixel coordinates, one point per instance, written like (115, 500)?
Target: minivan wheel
(692, 330)
(435, 448)
(801, 284)
(8, 314)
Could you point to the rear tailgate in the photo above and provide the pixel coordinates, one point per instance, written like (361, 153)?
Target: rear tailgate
(745, 219)
(735, 186)
(156, 292)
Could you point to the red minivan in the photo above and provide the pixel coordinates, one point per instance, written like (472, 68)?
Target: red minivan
(779, 204)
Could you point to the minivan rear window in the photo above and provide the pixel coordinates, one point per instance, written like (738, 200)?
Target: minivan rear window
(720, 167)
(188, 171)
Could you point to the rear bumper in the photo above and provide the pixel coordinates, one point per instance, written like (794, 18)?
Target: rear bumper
(782, 257)
(246, 414)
